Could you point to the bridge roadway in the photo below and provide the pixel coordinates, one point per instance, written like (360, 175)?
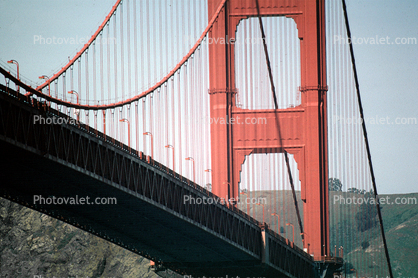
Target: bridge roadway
(150, 218)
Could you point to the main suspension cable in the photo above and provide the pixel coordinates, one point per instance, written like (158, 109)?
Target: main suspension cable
(366, 140)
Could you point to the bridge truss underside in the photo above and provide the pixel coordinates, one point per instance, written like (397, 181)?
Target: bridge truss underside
(151, 217)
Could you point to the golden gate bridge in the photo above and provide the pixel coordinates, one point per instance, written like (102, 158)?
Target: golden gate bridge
(228, 101)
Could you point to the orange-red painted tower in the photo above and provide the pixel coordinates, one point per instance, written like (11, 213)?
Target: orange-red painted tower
(301, 131)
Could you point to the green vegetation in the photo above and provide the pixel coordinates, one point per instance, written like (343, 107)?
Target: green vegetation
(334, 184)
(366, 217)
(356, 227)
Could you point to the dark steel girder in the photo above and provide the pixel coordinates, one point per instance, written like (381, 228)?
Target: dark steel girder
(150, 217)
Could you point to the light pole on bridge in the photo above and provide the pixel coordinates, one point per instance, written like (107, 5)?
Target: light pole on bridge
(293, 232)
(152, 143)
(49, 84)
(194, 171)
(76, 111)
(303, 235)
(208, 184)
(278, 220)
(353, 269)
(129, 131)
(18, 77)
(171, 147)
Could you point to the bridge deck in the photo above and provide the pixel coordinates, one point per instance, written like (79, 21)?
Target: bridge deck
(150, 217)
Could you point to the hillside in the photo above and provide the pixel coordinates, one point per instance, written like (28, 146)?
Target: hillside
(32, 244)
(400, 222)
(401, 228)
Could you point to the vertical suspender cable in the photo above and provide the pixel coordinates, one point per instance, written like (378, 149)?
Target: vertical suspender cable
(128, 37)
(108, 65)
(71, 82)
(122, 75)
(94, 72)
(180, 109)
(173, 124)
(79, 81)
(101, 67)
(144, 127)
(87, 87)
(147, 35)
(366, 140)
(122, 58)
(115, 56)
(135, 52)
(64, 90)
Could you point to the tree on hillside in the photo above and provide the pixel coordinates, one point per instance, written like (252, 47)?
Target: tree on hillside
(355, 190)
(366, 217)
(365, 244)
(334, 184)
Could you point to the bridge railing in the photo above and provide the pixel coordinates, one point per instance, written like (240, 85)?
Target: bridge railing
(43, 107)
(27, 95)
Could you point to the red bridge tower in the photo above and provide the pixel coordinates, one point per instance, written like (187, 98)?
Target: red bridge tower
(303, 129)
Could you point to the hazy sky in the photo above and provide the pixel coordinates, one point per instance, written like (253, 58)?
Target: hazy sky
(389, 85)
(388, 72)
